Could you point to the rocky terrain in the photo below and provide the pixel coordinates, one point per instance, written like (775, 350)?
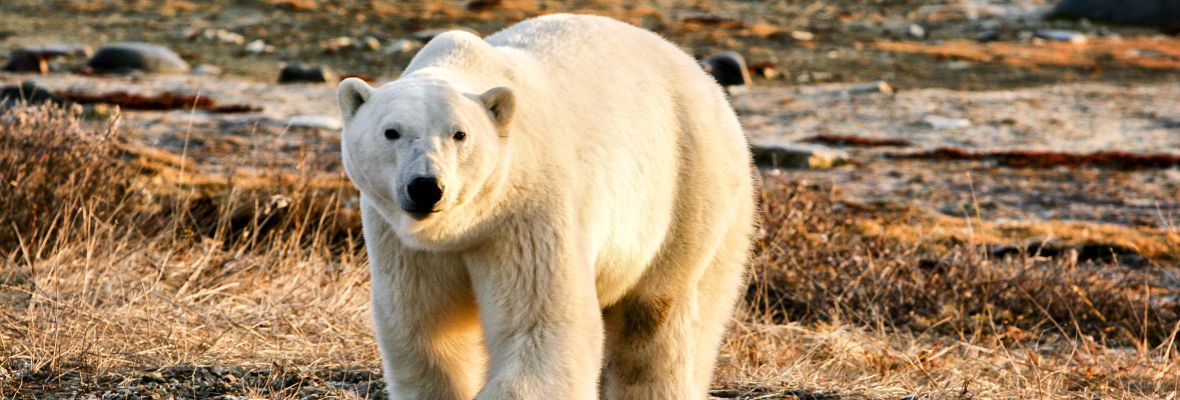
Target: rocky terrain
(944, 127)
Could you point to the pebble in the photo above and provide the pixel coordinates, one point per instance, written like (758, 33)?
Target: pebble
(370, 43)
(207, 69)
(871, 87)
(258, 47)
(134, 56)
(1061, 35)
(337, 44)
(773, 154)
(917, 31)
(223, 36)
(401, 46)
(938, 122)
(989, 36)
(292, 73)
(802, 36)
(314, 122)
(728, 68)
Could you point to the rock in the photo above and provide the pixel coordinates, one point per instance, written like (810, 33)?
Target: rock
(223, 36)
(871, 87)
(1061, 35)
(802, 36)
(401, 46)
(484, 5)
(207, 69)
(1159, 13)
(765, 69)
(292, 73)
(128, 57)
(370, 43)
(337, 44)
(728, 68)
(774, 154)
(936, 122)
(989, 36)
(36, 59)
(1172, 123)
(917, 31)
(314, 122)
(29, 92)
(258, 47)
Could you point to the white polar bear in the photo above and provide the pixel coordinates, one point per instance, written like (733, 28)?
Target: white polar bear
(562, 211)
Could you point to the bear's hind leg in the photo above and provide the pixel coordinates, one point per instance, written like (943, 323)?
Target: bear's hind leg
(665, 347)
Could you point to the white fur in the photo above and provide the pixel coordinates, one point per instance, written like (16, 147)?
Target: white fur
(593, 230)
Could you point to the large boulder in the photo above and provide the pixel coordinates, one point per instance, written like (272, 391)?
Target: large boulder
(1163, 13)
(121, 58)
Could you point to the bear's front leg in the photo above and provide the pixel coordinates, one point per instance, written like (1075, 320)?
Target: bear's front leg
(541, 320)
(425, 318)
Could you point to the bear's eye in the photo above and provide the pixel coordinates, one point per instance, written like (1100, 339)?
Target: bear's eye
(392, 134)
(460, 135)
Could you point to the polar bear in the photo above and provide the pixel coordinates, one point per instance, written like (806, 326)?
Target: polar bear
(561, 211)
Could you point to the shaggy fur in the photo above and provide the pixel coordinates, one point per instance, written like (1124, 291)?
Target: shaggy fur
(594, 225)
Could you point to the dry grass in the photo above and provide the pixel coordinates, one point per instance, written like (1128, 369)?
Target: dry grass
(116, 273)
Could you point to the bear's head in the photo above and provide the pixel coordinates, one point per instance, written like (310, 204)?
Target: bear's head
(423, 151)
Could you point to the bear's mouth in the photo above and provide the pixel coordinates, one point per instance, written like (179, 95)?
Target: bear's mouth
(419, 213)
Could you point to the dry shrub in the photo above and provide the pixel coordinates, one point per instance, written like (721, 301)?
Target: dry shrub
(814, 266)
(833, 312)
(104, 270)
(57, 174)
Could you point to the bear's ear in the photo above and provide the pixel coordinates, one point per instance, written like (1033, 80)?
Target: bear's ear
(500, 103)
(351, 94)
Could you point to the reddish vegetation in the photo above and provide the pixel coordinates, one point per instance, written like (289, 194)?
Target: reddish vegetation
(1096, 52)
(163, 101)
(856, 141)
(1048, 159)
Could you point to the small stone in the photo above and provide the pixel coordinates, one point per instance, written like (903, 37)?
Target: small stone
(292, 73)
(258, 47)
(223, 36)
(207, 69)
(370, 43)
(1061, 35)
(802, 36)
(989, 36)
(917, 31)
(401, 46)
(337, 44)
(774, 154)
(937, 122)
(728, 68)
(314, 122)
(133, 56)
(765, 69)
(1172, 123)
(871, 87)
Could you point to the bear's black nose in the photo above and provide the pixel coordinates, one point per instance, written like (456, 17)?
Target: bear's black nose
(424, 193)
